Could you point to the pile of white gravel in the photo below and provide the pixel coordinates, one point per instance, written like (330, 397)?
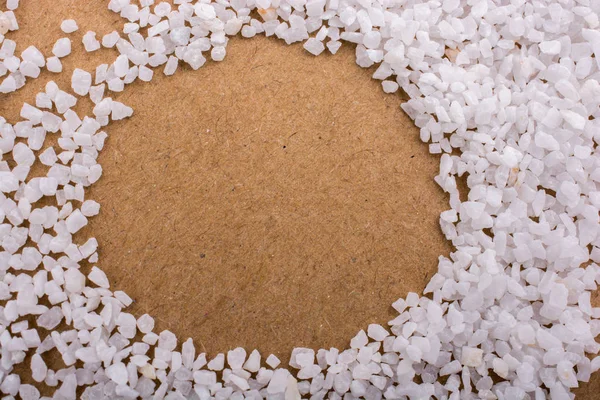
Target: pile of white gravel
(506, 91)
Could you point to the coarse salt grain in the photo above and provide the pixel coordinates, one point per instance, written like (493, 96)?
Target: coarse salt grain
(81, 81)
(69, 26)
(62, 47)
(90, 43)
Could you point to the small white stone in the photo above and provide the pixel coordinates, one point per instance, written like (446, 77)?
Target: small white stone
(253, 362)
(74, 280)
(278, 382)
(76, 221)
(53, 64)
(167, 340)
(239, 382)
(313, 46)
(89, 208)
(69, 26)
(5, 23)
(38, 368)
(217, 363)
(500, 367)
(126, 325)
(48, 157)
(145, 73)
(124, 299)
(81, 81)
(62, 47)
(31, 113)
(110, 40)
(171, 66)
(12, 4)
(145, 323)
(90, 43)
(389, 86)
(574, 119)
(98, 277)
(236, 358)
(550, 47)
(248, 31)
(360, 340)
(218, 53)
(117, 372)
(29, 69)
(566, 374)
(377, 332)
(272, 361)
(471, 357)
(194, 58)
(120, 111)
(180, 35)
(121, 66)
(372, 39)
(33, 55)
(205, 11)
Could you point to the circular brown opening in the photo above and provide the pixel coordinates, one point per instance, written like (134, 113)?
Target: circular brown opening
(270, 201)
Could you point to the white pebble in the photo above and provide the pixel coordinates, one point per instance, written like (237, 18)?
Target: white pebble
(90, 43)
(69, 26)
(272, 361)
(98, 277)
(62, 47)
(314, 47)
(76, 221)
(54, 65)
(81, 81)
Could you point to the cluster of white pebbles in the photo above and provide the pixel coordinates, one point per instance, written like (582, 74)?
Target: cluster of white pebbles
(507, 91)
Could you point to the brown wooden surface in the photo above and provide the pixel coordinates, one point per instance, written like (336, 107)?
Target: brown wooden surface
(270, 201)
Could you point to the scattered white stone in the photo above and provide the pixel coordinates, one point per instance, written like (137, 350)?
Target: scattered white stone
(248, 31)
(145, 74)
(550, 47)
(33, 55)
(145, 323)
(62, 47)
(5, 23)
(69, 26)
(360, 340)
(171, 66)
(253, 362)
(98, 277)
(110, 39)
(314, 46)
(377, 332)
(38, 368)
(236, 358)
(89, 208)
(218, 53)
(272, 361)
(125, 300)
(90, 43)
(53, 64)
(471, 357)
(12, 4)
(389, 86)
(217, 363)
(81, 81)
(120, 111)
(76, 221)
(117, 372)
(74, 280)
